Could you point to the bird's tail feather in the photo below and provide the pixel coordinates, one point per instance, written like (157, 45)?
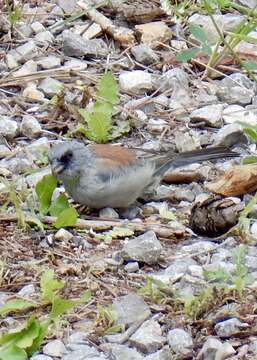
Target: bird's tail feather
(195, 156)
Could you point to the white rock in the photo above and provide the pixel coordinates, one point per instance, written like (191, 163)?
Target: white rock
(76, 63)
(37, 27)
(210, 114)
(35, 177)
(30, 127)
(235, 113)
(26, 52)
(55, 348)
(29, 67)
(51, 86)
(4, 150)
(136, 81)
(63, 235)
(49, 62)
(8, 128)
(32, 93)
(45, 37)
(180, 341)
(11, 61)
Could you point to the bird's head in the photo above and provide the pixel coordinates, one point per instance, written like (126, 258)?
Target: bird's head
(66, 159)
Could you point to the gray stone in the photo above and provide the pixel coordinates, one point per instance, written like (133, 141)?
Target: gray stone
(55, 348)
(75, 45)
(230, 327)
(146, 248)
(131, 267)
(28, 68)
(144, 54)
(129, 308)
(214, 349)
(77, 337)
(17, 164)
(187, 141)
(35, 177)
(123, 352)
(178, 267)
(76, 63)
(253, 345)
(25, 52)
(230, 135)
(51, 86)
(251, 262)
(41, 357)
(236, 89)
(11, 61)
(234, 113)
(38, 148)
(68, 6)
(37, 27)
(210, 114)
(226, 23)
(49, 62)
(27, 290)
(136, 81)
(180, 341)
(45, 37)
(163, 354)
(108, 213)
(148, 338)
(8, 128)
(156, 126)
(4, 150)
(173, 80)
(30, 127)
(81, 355)
(31, 93)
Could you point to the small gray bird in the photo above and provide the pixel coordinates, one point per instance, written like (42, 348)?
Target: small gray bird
(101, 176)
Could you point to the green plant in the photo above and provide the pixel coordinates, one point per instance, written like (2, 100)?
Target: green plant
(20, 343)
(60, 208)
(97, 122)
(225, 44)
(240, 278)
(14, 12)
(106, 319)
(15, 197)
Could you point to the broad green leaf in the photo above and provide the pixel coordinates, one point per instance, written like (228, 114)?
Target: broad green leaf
(61, 306)
(44, 190)
(67, 217)
(13, 352)
(16, 305)
(49, 284)
(188, 54)
(198, 33)
(43, 328)
(23, 336)
(60, 204)
(250, 65)
(249, 160)
(108, 88)
(206, 49)
(251, 133)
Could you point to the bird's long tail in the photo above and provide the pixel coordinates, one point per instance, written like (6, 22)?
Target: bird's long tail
(194, 156)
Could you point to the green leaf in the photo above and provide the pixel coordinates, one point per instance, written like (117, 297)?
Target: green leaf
(165, 213)
(118, 232)
(198, 33)
(16, 305)
(108, 88)
(49, 284)
(43, 328)
(22, 338)
(249, 160)
(13, 352)
(250, 65)
(67, 217)
(188, 54)
(61, 306)
(60, 204)
(44, 190)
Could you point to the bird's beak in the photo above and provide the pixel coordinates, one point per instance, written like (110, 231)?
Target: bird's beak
(57, 168)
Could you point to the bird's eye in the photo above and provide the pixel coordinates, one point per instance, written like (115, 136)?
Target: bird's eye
(66, 157)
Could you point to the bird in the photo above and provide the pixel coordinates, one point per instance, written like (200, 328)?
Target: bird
(106, 175)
